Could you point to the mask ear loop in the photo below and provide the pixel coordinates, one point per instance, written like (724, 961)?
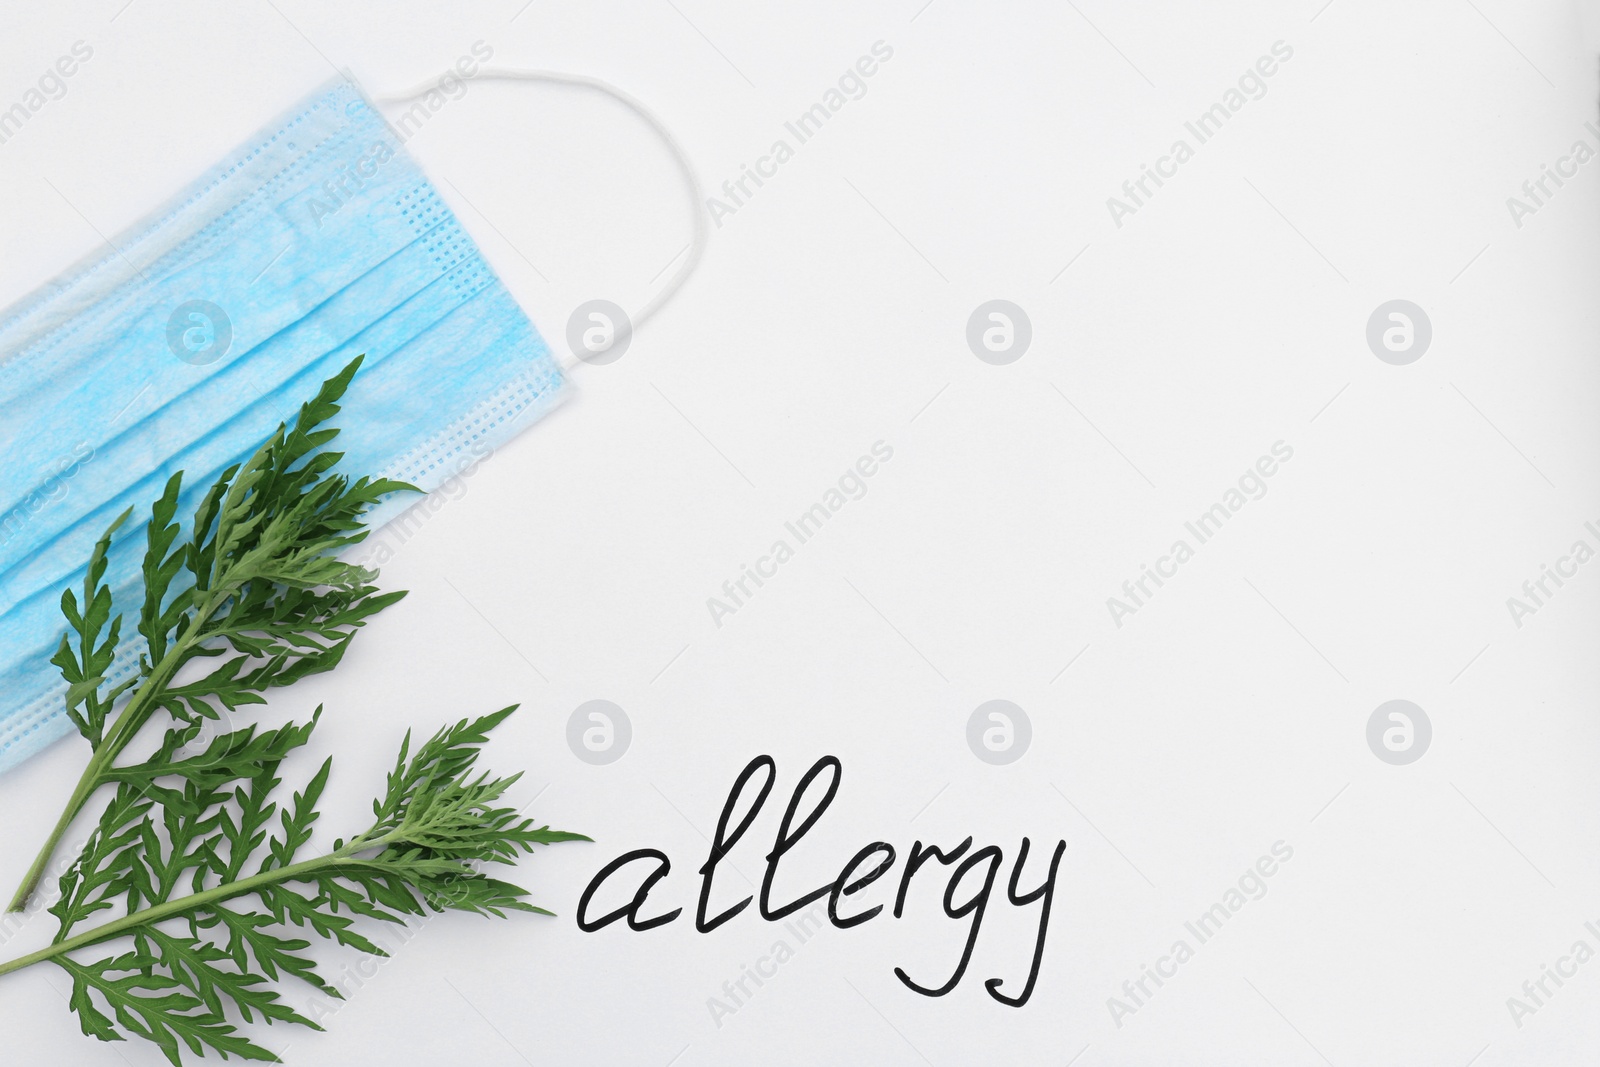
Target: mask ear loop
(702, 232)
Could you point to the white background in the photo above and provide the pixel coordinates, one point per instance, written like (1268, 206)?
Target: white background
(830, 313)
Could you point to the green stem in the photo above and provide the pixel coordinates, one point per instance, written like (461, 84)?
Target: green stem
(80, 796)
(133, 716)
(104, 932)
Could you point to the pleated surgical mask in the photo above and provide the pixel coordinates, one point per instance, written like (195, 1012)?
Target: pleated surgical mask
(206, 325)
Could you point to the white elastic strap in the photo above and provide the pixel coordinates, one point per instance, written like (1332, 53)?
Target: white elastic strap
(702, 232)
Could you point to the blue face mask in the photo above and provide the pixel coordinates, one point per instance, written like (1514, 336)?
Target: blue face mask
(208, 325)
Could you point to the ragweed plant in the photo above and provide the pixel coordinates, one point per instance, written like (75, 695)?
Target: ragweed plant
(180, 920)
(212, 894)
(254, 585)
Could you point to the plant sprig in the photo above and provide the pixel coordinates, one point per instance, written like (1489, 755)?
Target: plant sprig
(195, 884)
(190, 968)
(255, 584)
